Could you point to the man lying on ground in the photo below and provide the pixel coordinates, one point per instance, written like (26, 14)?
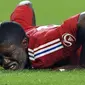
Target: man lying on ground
(41, 47)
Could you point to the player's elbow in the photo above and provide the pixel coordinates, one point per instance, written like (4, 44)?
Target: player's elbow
(27, 2)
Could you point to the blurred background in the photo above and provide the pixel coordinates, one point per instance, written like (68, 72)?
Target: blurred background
(47, 11)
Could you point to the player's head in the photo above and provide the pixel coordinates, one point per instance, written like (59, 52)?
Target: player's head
(13, 45)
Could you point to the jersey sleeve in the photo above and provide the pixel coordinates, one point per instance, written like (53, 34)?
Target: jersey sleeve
(22, 15)
(71, 24)
(47, 48)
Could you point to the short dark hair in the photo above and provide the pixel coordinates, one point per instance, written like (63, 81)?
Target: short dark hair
(11, 33)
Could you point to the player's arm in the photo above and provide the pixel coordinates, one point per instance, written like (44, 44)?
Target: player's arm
(29, 4)
(81, 20)
(24, 14)
(81, 37)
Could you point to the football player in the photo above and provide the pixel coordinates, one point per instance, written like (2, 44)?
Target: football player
(24, 45)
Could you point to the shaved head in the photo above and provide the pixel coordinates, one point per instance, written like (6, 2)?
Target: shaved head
(13, 46)
(11, 33)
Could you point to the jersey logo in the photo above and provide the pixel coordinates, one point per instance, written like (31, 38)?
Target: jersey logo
(68, 39)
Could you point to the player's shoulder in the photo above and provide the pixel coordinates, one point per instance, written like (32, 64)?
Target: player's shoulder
(39, 30)
(82, 16)
(73, 18)
(81, 20)
(47, 27)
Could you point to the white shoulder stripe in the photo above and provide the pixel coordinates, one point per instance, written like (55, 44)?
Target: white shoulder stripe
(48, 52)
(43, 54)
(45, 49)
(31, 58)
(49, 47)
(49, 43)
(30, 50)
(31, 54)
(44, 45)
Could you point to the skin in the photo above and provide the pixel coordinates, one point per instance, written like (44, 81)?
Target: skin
(80, 24)
(14, 56)
(81, 20)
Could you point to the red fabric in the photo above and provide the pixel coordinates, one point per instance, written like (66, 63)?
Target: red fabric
(42, 54)
(23, 15)
(70, 26)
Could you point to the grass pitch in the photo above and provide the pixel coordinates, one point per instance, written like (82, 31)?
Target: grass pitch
(42, 77)
(47, 12)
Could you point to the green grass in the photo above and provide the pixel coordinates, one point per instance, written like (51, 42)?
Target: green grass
(42, 77)
(47, 12)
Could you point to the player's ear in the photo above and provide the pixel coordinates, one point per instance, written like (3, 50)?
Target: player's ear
(25, 42)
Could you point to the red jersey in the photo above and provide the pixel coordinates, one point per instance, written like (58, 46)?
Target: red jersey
(48, 44)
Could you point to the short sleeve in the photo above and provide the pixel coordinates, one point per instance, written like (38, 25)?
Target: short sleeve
(22, 15)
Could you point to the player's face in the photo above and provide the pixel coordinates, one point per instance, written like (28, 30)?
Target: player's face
(14, 57)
